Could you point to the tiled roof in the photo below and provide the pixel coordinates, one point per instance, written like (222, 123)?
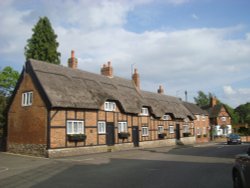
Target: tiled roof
(195, 109)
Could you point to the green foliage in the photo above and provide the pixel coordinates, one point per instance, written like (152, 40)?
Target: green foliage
(43, 45)
(8, 80)
(202, 99)
(3, 104)
(243, 111)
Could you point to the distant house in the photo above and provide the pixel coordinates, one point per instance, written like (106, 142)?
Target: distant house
(201, 123)
(59, 111)
(220, 118)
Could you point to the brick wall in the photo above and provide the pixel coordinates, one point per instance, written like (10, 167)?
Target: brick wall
(202, 123)
(223, 113)
(27, 124)
(58, 136)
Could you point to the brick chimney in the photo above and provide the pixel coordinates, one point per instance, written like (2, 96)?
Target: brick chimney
(160, 90)
(213, 101)
(72, 61)
(136, 78)
(107, 70)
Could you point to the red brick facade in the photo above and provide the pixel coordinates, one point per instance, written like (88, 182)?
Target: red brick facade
(27, 125)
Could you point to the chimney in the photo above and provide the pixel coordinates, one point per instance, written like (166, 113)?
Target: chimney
(136, 78)
(160, 90)
(107, 70)
(213, 101)
(72, 61)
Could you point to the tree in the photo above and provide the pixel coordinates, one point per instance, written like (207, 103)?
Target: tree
(243, 112)
(8, 80)
(202, 99)
(43, 45)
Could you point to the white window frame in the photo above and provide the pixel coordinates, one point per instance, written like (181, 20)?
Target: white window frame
(122, 127)
(27, 98)
(198, 131)
(160, 129)
(101, 127)
(144, 111)
(75, 127)
(203, 117)
(185, 129)
(109, 106)
(223, 118)
(204, 131)
(144, 131)
(171, 129)
(166, 117)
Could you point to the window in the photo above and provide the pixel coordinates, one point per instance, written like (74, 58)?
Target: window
(204, 130)
(166, 117)
(160, 129)
(144, 111)
(122, 127)
(198, 117)
(186, 120)
(223, 118)
(171, 129)
(101, 127)
(75, 127)
(109, 106)
(144, 131)
(185, 128)
(198, 131)
(203, 117)
(27, 98)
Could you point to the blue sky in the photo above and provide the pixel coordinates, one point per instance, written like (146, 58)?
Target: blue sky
(181, 44)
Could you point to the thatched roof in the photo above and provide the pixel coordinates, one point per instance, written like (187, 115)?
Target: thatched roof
(72, 88)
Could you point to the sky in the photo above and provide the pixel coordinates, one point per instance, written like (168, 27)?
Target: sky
(183, 45)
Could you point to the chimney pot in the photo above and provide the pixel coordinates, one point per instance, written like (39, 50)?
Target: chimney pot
(136, 78)
(107, 70)
(213, 101)
(160, 90)
(72, 61)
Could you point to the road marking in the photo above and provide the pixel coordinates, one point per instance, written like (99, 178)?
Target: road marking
(2, 169)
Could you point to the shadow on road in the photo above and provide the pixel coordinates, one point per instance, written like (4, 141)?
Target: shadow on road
(125, 173)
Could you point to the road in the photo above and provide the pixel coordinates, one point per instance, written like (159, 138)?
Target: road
(203, 166)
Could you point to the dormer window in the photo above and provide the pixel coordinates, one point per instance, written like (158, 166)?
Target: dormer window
(166, 117)
(144, 111)
(27, 98)
(109, 106)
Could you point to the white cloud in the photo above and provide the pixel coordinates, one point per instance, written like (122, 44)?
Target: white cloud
(191, 59)
(228, 90)
(194, 16)
(236, 96)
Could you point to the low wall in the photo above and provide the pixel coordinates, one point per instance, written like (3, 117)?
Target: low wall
(158, 143)
(188, 140)
(28, 149)
(54, 153)
(245, 138)
(64, 152)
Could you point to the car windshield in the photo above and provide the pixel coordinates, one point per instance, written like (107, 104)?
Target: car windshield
(234, 136)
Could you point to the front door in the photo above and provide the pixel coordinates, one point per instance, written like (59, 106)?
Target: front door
(135, 135)
(110, 136)
(177, 131)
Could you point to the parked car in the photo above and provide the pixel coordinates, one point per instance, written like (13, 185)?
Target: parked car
(233, 139)
(241, 171)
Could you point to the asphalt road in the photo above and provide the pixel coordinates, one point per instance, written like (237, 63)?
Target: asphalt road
(205, 166)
